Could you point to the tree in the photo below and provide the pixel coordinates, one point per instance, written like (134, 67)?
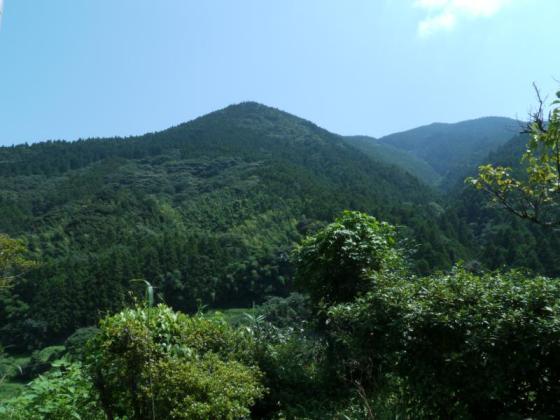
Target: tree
(336, 264)
(536, 196)
(13, 261)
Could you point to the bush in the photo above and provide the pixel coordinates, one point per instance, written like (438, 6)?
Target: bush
(154, 360)
(76, 343)
(335, 265)
(41, 361)
(63, 393)
(293, 311)
(464, 345)
(207, 388)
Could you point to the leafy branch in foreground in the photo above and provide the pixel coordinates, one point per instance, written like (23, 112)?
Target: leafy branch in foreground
(535, 197)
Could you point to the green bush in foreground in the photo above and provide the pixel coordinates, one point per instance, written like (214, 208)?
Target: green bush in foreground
(153, 361)
(463, 345)
(63, 393)
(455, 345)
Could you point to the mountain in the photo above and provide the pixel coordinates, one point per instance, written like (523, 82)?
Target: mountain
(394, 156)
(207, 211)
(452, 150)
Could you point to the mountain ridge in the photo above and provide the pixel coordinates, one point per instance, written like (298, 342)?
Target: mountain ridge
(206, 211)
(454, 149)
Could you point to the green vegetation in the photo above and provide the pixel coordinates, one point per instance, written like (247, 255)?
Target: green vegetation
(207, 212)
(373, 340)
(13, 261)
(448, 308)
(63, 393)
(153, 362)
(336, 264)
(536, 195)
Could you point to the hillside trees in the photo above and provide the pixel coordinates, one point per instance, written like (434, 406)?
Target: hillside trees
(206, 211)
(13, 260)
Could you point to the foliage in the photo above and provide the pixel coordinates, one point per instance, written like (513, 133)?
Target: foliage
(293, 311)
(498, 239)
(63, 393)
(336, 264)
(465, 345)
(11, 370)
(76, 343)
(292, 362)
(535, 197)
(41, 361)
(204, 388)
(13, 260)
(153, 360)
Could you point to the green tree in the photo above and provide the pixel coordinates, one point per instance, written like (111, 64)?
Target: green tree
(13, 260)
(335, 265)
(536, 195)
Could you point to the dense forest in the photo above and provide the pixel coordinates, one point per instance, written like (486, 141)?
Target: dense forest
(232, 213)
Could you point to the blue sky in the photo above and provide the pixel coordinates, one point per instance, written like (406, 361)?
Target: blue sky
(91, 68)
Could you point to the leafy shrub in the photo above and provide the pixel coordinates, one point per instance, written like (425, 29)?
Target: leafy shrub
(154, 360)
(293, 311)
(335, 265)
(205, 388)
(291, 357)
(464, 345)
(293, 372)
(63, 393)
(75, 344)
(41, 360)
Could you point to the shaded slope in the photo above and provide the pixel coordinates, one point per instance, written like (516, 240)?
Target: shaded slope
(394, 156)
(452, 150)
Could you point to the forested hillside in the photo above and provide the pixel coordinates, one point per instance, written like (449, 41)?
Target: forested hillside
(207, 211)
(383, 152)
(453, 150)
(231, 212)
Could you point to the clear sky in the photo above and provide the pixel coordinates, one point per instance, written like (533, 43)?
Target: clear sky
(91, 68)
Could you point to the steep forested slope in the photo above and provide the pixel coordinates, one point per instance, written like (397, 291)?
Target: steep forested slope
(453, 150)
(393, 155)
(207, 211)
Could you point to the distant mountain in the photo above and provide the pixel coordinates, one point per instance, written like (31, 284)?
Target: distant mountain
(453, 150)
(207, 211)
(394, 156)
